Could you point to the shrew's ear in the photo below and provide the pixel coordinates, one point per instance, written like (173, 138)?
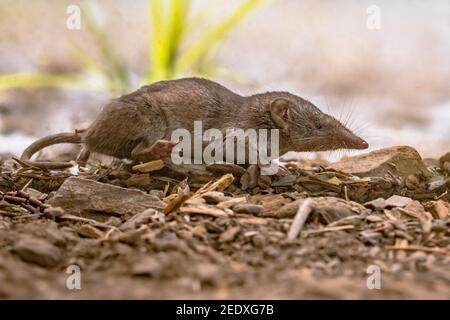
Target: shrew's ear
(279, 111)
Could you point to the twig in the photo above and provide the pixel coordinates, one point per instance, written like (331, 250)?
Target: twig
(95, 223)
(421, 248)
(442, 195)
(299, 220)
(26, 185)
(29, 216)
(328, 229)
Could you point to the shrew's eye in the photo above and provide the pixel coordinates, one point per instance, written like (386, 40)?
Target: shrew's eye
(318, 126)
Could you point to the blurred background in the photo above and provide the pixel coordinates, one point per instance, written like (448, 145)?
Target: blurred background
(389, 79)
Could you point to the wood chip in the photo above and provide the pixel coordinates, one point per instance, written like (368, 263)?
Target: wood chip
(149, 166)
(176, 201)
(203, 209)
(257, 221)
(88, 231)
(224, 182)
(229, 234)
(441, 209)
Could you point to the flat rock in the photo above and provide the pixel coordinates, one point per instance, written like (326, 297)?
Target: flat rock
(37, 251)
(77, 195)
(400, 161)
(376, 204)
(397, 201)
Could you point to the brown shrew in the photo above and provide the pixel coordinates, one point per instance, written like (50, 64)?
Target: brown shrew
(138, 125)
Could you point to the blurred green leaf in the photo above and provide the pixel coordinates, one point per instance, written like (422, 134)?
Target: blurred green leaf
(114, 69)
(195, 53)
(166, 37)
(32, 80)
(170, 23)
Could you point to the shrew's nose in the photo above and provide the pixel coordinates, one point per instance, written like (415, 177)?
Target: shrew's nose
(362, 145)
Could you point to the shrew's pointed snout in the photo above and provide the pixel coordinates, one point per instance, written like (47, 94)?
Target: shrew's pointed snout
(360, 144)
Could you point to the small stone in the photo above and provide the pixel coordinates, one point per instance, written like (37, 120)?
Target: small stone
(264, 181)
(374, 218)
(88, 231)
(113, 221)
(137, 220)
(36, 194)
(229, 234)
(370, 236)
(258, 241)
(273, 203)
(131, 237)
(445, 158)
(446, 166)
(230, 203)
(418, 256)
(249, 208)
(53, 212)
(156, 193)
(377, 204)
(208, 273)
(439, 226)
(214, 197)
(38, 251)
(148, 266)
(138, 180)
(77, 196)
(212, 227)
(249, 179)
(412, 182)
(54, 235)
(398, 201)
(374, 251)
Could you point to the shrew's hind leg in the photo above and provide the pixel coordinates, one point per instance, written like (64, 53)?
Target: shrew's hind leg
(161, 149)
(83, 157)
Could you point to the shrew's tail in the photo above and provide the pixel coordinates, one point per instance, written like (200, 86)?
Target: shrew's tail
(69, 137)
